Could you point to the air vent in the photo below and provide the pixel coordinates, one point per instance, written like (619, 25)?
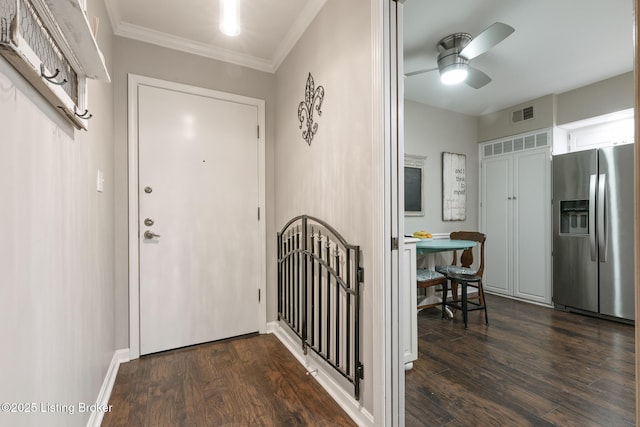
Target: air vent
(527, 113)
(507, 146)
(541, 140)
(523, 114)
(529, 142)
(518, 143)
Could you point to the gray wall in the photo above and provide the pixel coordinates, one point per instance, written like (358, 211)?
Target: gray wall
(56, 248)
(498, 124)
(430, 131)
(331, 178)
(606, 96)
(144, 59)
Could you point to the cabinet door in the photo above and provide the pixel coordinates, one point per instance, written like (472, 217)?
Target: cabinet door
(409, 298)
(532, 226)
(496, 222)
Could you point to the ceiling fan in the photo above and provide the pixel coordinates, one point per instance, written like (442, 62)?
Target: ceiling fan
(456, 50)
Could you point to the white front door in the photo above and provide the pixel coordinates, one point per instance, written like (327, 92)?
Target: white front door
(198, 194)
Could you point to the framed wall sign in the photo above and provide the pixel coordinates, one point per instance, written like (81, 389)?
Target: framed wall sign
(414, 185)
(454, 187)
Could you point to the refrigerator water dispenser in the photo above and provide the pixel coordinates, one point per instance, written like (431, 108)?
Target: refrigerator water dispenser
(574, 217)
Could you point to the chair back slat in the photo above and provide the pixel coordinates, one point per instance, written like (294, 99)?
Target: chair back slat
(466, 259)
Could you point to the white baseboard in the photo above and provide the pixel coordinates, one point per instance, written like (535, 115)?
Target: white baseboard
(119, 356)
(516, 298)
(352, 407)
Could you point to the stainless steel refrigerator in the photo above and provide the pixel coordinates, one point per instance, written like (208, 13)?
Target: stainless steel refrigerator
(593, 260)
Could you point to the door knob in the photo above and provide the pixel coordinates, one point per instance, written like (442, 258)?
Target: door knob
(150, 235)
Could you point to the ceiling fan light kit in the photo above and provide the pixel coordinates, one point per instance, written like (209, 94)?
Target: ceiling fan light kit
(454, 74)
(456, 50)
(454, 68)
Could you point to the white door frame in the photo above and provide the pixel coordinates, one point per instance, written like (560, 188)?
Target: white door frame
(388, 211)
(134, 81)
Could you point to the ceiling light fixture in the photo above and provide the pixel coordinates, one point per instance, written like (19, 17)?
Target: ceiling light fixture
(453, 67)
(230, 17)
(454, 74)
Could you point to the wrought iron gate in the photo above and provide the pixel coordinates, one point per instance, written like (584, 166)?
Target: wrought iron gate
(319, 278)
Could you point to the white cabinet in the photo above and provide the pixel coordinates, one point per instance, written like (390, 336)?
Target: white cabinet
(515, 214)
(409, 302)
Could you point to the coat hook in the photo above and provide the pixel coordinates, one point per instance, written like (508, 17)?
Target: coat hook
(85, 115)
(51, 77)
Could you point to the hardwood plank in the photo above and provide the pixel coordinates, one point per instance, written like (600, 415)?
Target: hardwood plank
(531, 366)
(250, 380)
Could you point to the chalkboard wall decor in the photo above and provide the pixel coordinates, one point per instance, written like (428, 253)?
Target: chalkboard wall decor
(413, 185)
(454, 187)
(313, 98)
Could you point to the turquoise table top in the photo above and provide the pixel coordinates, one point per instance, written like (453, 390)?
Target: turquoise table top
(428, 246)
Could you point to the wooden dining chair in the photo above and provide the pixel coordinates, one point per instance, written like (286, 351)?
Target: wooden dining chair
(427, 278)
(463, 273)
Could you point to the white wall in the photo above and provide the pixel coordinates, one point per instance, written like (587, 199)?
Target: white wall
(331, 178)
(149, 60)
(56, 249)
(429, 132)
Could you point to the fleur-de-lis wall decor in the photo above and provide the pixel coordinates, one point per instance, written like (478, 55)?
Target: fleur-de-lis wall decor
(313, 98)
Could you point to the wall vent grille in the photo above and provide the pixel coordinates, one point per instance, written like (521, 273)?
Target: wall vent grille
(527, 113)
(522, 114)
(519, 143)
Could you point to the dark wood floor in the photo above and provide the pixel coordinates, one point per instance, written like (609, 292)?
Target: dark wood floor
(249, 381)
(531, 366)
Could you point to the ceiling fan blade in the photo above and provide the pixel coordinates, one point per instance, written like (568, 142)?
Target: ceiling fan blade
(413, 73)
(486, 40)
(476, 78)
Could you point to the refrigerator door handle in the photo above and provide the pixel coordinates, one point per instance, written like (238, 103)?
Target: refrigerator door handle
(602, 229)
(592, 217)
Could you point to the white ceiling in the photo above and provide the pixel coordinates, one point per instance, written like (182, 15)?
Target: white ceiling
(558, 45)
(270, 28)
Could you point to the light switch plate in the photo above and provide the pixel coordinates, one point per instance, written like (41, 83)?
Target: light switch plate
(100, 181)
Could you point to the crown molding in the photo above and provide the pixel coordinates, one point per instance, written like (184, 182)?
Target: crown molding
(270, 65)
(296, 31)
(170, 41)
(113, 11)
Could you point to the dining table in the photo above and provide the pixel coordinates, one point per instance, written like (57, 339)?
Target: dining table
(428, 248)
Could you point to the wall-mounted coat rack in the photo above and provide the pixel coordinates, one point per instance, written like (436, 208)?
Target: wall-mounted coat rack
(51, 44)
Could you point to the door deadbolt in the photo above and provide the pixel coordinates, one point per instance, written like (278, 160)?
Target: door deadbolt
(150, 235)
(148, 222)
(148, 190)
